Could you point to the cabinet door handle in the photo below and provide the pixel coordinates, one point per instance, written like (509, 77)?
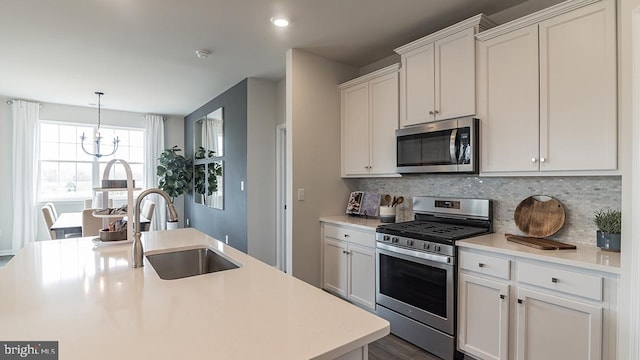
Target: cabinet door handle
(346, 235)
(431, 113)
(519, 301)
(481, 265)
(543, 159)
(502, 296)
(533, 160)
(436, 112)
(554, 280)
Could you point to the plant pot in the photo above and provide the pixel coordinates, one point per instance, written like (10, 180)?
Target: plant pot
(608, 241)
(172, 225)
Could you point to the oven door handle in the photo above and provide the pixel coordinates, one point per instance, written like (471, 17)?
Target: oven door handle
(443, 259)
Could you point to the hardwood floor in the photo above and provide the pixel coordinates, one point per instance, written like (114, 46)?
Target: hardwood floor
(392, 347)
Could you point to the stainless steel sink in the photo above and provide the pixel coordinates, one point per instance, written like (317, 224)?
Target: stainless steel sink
(184, 263)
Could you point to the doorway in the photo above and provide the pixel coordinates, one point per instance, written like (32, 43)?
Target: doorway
(282, 260)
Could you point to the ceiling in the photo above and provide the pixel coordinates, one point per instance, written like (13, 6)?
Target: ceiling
(141, 53)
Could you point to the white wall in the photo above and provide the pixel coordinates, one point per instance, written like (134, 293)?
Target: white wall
(313, 132)
(6, 198)
(629, 118)
(174, 134)
(261, 169)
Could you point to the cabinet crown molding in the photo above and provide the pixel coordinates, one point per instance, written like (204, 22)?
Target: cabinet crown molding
(372, 75)
(534, 18)
(480, 22)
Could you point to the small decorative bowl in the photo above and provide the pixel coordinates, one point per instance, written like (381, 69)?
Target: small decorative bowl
(106, 235)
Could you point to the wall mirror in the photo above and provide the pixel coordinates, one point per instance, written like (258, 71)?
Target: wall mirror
(208, 140)
(208, 134)
(208, 187)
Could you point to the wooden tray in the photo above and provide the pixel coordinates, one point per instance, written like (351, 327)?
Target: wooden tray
(542, 244)
(539, 216)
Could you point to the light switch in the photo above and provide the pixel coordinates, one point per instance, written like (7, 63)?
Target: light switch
(242, 185)
(226, 239)
(301, 194)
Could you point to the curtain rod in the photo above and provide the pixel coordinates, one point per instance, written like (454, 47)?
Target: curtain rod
(9, 102)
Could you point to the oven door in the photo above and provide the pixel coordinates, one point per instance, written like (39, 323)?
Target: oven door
(416, 284)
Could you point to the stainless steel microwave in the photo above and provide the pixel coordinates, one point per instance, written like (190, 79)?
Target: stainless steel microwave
(447, 146)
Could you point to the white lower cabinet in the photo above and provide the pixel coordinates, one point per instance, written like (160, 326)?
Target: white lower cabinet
(349, 263)
(483, 317)
(544, 311)
(555, 327)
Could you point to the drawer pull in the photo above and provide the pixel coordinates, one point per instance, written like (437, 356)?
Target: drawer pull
(519, 301)
(481, 265)
(346, 235)
(554, 280)
(502, 296)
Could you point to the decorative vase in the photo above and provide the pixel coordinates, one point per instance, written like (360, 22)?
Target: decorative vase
(608, 241)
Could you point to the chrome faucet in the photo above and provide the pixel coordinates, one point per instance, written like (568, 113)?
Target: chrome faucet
(137, 251)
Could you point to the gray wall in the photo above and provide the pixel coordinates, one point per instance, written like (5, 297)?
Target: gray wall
(581, 196)
(232, 220)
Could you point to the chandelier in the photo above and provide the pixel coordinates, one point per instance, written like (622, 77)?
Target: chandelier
(98, 138)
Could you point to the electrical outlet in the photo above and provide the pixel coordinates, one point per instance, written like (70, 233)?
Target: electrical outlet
(226, 239)
(301, 194)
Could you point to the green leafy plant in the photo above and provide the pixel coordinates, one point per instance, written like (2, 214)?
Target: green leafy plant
(206, 175)
(175, 172)
(609, 221)
(202, 153)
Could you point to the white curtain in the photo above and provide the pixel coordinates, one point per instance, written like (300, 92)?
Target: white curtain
(26, 140)
(154, 140)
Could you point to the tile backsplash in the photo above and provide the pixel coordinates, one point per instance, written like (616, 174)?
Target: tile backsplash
(581, 196)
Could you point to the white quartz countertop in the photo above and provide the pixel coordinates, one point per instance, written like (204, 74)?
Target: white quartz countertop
(97, 307)
(362, 222)
(584, 256)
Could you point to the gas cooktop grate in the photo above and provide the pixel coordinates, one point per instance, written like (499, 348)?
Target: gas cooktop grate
(431, 229)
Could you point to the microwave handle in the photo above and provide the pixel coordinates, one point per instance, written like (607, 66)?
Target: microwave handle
(452, 146)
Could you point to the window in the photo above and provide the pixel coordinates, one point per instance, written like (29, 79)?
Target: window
(68, 173)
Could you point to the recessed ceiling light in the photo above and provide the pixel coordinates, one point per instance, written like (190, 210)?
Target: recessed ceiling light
(280, 21)
(203, 53)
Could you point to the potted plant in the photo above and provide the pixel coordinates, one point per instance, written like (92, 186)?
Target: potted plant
(609, 223)
(175, 172)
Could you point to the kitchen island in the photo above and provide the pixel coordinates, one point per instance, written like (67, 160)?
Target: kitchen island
(89, 299)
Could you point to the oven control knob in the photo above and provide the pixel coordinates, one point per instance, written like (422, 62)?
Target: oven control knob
(409, 242)
(437, 248)
(427, 246)
(386, 238)
(394, 239)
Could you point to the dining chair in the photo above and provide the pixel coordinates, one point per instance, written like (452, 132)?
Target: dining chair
(91, 225)
(47, 214)
(147, 211)
(53, 209)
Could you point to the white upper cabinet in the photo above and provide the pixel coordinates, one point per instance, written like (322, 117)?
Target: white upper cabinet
(437, 78)
(578, 98)
(547, 98)
(508, 105)
(369, 122)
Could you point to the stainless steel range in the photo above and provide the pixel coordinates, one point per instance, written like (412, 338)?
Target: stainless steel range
(416, 269)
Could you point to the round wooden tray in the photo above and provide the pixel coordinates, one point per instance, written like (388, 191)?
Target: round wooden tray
(539, 216)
